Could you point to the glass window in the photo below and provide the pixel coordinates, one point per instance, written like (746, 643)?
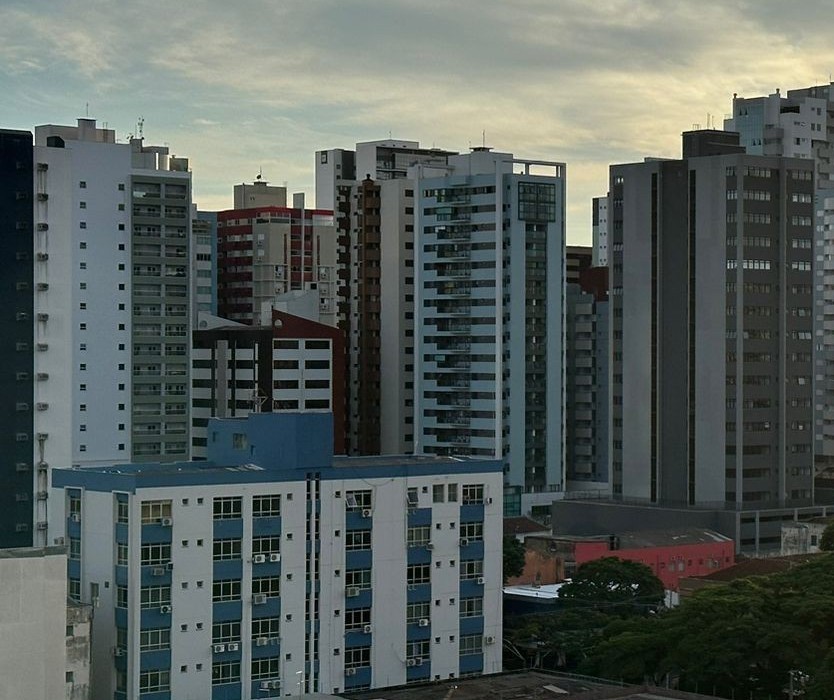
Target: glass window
(227, 508)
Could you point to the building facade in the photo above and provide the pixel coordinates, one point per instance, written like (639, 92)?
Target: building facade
(711, 296)
(489, 313)
(599, 231)
(274, 569)
(203, 271)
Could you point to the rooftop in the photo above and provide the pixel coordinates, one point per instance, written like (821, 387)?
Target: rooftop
(523, 526)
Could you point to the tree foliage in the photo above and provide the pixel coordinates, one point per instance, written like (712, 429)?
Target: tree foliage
(513, 557)
(827, 539)
(612, 580)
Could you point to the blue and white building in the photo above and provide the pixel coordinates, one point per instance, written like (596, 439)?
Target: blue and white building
(489, 314)
(274, 568)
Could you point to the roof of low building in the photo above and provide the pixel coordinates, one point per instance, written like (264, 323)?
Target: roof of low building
(523, 526)
(759, 567)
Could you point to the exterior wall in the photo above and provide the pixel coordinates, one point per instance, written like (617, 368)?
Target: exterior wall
(323, 511)
(542, 566)
(79, 629)
(21, 482)
(334, 168)
(33, 614)
(203, 271)
(802, 538)
(599, 231)
(669, 564)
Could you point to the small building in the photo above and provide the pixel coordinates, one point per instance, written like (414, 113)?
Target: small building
(803, 537)
(79, 640)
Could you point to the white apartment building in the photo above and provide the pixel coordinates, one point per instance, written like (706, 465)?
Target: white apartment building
(275, 569)
(111, 308)
(489, 309)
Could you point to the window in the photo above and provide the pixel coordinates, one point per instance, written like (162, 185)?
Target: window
(82, 184)
(266, 506)
(75, 548)
(438, 493)
(222, 632)
(224, 672)
(419, 536)
(417, 650)
(154, 681)
(266, 585)
(471, 644)
(471, 569)
(358, 657)
(155, 639)
(357, 618)
(154, 511)
(122, 512)
(227, 508)
(358, 578)
(240, 441)
(154, 597)
(452, 493)
(418, 573)
(226, 590)
(268, 627)
(471, 607)
(121, 554)
(121, 596)
(266, 544)
(358, 500)
(227, 549)
(414, 612)
(356, 540)
(269, 667)
(473, 494)
(155, 554)
(474, 532)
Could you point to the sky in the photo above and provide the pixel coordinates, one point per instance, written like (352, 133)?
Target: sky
(262, 84)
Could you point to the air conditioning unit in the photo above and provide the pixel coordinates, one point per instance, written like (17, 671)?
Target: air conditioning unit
(418, 661)
(489, 640)
(274, 557)
(43, 376)
(270, 685)
(480, 580)
(350, 671)
(259, 559)
(43, 286)
(218, 648)
(169, 566)
(41, 406)
(258, 599)
(429, 546)
(423, 622)
(43, 226)
(488, 501)
(234, 646)
(464, 542)
(75, 517)
(261, 641)
(165, 609)
(158, 571)
(351, 592)
(367, 512)
(366, 629)
(42, 256)
(42, 347)
(411, 662)
(118, 651)
(166, 522)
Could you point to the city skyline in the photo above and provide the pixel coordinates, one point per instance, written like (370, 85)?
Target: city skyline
(238, 90)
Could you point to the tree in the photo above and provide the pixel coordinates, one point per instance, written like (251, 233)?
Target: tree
(612, 580)
(827, 539)
(513, 557)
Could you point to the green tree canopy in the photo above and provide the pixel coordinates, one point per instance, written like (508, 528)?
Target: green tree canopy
(827, 539)
(612, 580)
(513, 557)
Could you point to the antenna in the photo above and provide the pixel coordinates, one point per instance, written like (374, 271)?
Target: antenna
(260, 174)
(483, 138)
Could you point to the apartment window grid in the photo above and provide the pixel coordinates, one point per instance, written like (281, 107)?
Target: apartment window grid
(155, 554)
(414, 612)
(419, 536)
(268, 627)
(121, 597)
(223, 672)
(155, 639)
(357, 618)
(471, 569)
(227, 507)
(74, 548)
(266, 506)
(122, 512)
(359, 500)
(154, 597)
(471, 644)
(473, 532)
(472, 494)
(357, 540)
(266, 585)
(227, 549)
(74, 589)
(154, 681)
(154, 511)
(418, 650)
(358, 657)
(121, 554)
(472, 607)
(222, 632)
(267, 544)
(225, 590)
(358, 578)
(418, 574)
(268, 668)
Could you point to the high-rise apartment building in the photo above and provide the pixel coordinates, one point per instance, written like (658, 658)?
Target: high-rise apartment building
(711, 312)
(111, 301)
(274, 569)
(599, 231)
(203, 271)
(19, 481)
(801, 125)
(489, 265)
(375, 224)
(270, 251)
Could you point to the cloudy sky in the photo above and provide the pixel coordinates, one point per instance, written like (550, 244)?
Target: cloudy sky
(238, 86)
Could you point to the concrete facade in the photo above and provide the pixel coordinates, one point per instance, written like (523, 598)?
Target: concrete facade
(274, 569)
